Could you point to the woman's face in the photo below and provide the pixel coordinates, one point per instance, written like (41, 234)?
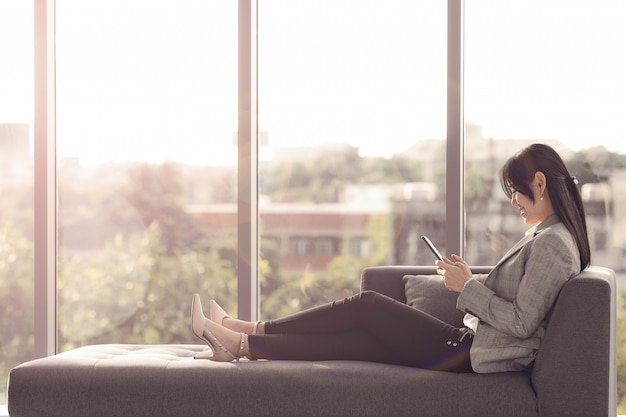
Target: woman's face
(528, 210)
(541, 208)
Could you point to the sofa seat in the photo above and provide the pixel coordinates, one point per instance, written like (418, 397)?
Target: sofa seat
(165, 380)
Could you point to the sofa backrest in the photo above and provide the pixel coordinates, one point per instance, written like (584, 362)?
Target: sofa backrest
(575, 373)
(576, 366)
(388, 279)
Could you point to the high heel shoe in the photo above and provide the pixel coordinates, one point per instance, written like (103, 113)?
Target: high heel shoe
(217, 313)
(198, 326)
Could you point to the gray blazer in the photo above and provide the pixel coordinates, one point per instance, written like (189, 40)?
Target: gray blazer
(510, 308)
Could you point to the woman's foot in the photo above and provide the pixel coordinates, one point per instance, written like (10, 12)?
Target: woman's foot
(219, 316)
(217, 313)
(226, 345)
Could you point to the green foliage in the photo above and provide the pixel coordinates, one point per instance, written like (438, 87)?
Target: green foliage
(283, 295)
(395, 170)
(137, 288)
(322, 179)
(310, 289)
(156, 193)
(133, 291)
(378, 233)
(288, 182)
(16, 300)
(585, 163)
(475, 185)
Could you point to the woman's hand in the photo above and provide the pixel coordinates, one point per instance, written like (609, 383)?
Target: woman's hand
(455, 272)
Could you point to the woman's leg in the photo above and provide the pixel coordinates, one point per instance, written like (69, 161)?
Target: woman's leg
(368, 326)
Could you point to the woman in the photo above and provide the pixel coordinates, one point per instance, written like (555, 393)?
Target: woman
(507, 310)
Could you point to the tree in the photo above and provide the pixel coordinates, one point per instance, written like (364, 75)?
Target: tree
(16, 299)
(135, 285)
(132, 291)
(156, 192)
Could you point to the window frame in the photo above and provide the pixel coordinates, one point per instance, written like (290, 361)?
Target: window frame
(45, 211)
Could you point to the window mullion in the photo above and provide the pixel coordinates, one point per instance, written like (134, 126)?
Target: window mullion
(45, 180)
(247, 194)
(455, 131)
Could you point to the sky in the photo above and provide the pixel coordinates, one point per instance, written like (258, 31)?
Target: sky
(155, 80)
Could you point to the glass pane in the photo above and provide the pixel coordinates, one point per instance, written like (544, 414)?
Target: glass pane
(16, 187)
(147, 102)
(352, 114)
(550, 72)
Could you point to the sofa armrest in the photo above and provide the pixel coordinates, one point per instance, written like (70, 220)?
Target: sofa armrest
(387, 280)
(575, 370)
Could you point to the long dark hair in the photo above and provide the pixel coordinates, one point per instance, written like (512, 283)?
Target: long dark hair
(517, 174)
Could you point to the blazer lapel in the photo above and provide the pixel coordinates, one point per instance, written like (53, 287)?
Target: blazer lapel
(530, 234)
(516, 248)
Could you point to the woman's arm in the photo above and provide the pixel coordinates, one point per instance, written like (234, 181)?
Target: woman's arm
(543, 268)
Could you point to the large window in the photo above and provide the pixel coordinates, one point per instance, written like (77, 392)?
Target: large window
(146, 114)
(352, 111)
(350, 103)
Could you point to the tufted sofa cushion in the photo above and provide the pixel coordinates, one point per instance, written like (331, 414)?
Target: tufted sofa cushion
(165, 380)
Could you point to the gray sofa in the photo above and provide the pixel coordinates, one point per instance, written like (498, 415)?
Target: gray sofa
(574, 374)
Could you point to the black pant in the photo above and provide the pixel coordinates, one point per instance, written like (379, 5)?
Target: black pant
(369, 327)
